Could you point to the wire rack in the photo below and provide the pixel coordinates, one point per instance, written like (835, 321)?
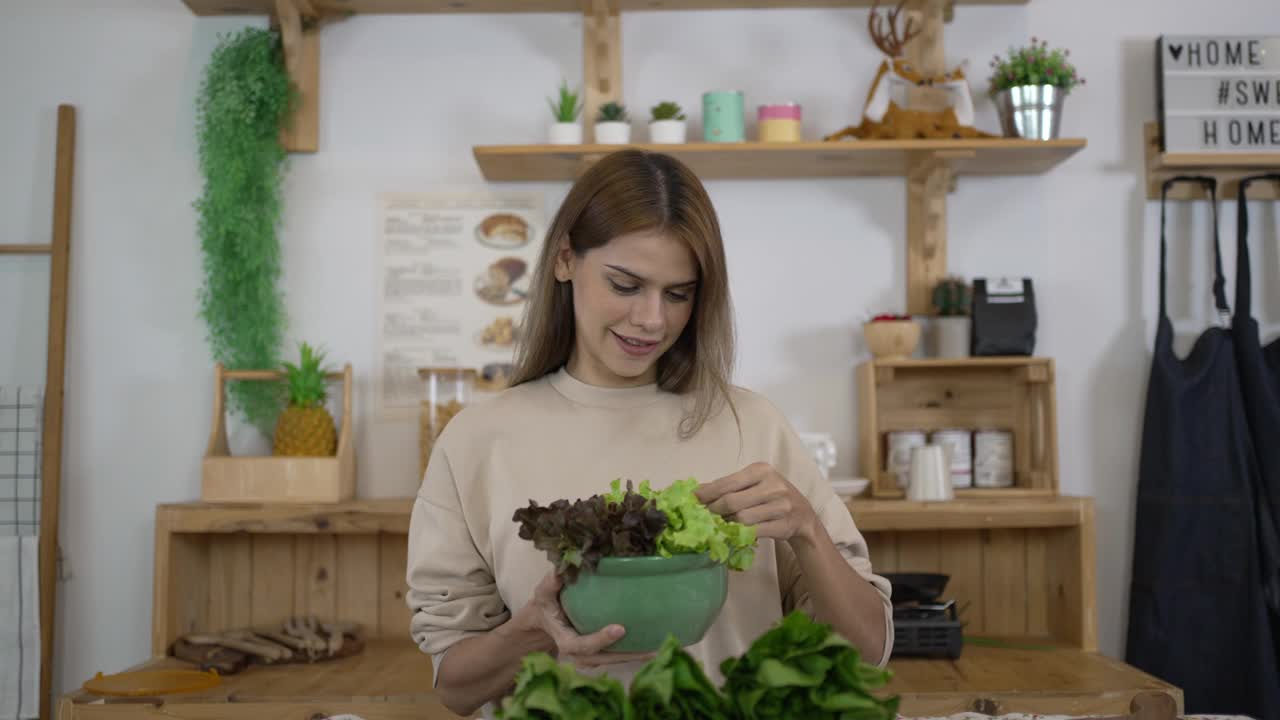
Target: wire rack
(20, 432)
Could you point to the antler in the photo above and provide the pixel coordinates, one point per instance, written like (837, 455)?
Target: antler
(889, 42)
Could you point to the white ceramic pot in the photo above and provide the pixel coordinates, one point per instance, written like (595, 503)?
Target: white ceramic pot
(951, 336)
(613, 133)
(667, 132)
(565, 133)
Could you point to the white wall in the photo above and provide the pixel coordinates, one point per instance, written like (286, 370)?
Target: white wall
(403, 101)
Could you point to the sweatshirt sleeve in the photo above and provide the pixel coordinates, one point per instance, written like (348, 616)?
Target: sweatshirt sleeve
(795, 464)
(452, 592)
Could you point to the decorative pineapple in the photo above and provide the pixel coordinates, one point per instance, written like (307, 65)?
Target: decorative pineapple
(305, 427)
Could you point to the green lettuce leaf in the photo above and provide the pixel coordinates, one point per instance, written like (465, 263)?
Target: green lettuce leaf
(547, 690)
(673, 686)
(693, 528)
(801, 668)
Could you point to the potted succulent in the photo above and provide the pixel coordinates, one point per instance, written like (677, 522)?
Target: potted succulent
(1029, 87)
(890, 336)
(565, 130)
(613, 125)
(668, 124)
(951, 301)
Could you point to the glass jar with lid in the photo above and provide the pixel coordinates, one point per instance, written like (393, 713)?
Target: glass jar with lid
(445, 392)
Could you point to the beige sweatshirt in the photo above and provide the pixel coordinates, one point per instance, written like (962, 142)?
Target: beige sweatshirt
(557, 437)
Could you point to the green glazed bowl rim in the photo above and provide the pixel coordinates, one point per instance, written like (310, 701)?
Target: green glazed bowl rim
(652, 564)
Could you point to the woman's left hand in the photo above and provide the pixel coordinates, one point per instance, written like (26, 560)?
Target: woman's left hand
(758, 495)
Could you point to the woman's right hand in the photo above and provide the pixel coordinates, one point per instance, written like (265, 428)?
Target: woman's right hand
(580, 650)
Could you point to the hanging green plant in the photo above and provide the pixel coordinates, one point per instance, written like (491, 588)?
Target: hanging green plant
(244, 97)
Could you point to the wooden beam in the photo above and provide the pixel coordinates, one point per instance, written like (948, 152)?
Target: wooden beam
(456, 7)
(55, 375)
(26, 249)
(932, 178)
(601, 59)
(926, 50)
(927, 186)
(301, 132)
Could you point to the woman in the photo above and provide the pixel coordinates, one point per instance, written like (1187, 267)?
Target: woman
(623, 372)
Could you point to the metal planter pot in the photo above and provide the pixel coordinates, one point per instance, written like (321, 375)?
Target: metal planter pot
(1031, 112)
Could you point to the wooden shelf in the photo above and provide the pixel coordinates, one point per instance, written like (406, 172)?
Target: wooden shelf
(872, 515)
(360, 517)
(755, 160)
(368, 517)
(1227, 168)
(929, 167)
(992, 361)
(415, 7)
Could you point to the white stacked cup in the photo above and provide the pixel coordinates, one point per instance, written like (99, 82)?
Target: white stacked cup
(930, 476)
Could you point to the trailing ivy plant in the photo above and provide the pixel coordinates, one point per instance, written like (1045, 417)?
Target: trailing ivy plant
(244, 97)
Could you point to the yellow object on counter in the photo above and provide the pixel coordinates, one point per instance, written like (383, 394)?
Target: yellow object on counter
(779, 123)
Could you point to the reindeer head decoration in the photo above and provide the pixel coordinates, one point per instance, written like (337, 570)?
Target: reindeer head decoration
(904, 100)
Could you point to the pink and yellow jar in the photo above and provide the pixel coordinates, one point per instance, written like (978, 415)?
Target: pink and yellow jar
(779, 122)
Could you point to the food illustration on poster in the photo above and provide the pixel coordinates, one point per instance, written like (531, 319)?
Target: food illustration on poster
(454, 276)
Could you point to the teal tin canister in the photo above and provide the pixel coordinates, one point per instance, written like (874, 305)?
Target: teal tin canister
(723, 116)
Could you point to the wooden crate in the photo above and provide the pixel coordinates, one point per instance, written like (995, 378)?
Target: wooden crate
(1020, 569)
(1006, 393)
(226, 478)
(222, 567)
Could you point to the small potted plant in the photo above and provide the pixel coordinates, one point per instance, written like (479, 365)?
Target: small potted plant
(1029, 87)
(951, 301)
(613, 126)
(668, 124)
(890, 336)
(565, 130)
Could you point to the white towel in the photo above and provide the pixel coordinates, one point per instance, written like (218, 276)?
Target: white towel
(19, 628)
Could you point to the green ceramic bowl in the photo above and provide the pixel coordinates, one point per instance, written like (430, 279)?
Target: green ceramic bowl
(649, 596)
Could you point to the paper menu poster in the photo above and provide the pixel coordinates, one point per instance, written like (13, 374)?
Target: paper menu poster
(453, 279)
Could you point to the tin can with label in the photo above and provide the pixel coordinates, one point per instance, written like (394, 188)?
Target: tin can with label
(898, 455)
(723, 116)
(993, 458)
(960, 452)
(779, 122)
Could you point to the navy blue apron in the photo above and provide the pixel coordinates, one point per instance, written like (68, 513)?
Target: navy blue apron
(1197, 618)
(1260, 381)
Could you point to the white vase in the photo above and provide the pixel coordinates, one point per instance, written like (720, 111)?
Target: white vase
(565, 133)
(613, 132)
(667, 132)
(951, 336)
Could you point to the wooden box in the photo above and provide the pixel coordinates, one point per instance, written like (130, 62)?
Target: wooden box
(220, 567)
(226, 478)
(1019, 568)
(1014, 394)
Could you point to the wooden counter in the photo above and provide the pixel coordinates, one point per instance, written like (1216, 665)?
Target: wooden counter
(391, 680)
(1021, 567)
(1061, 681)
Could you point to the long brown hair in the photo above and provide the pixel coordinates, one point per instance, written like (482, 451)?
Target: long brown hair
(626, 192)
